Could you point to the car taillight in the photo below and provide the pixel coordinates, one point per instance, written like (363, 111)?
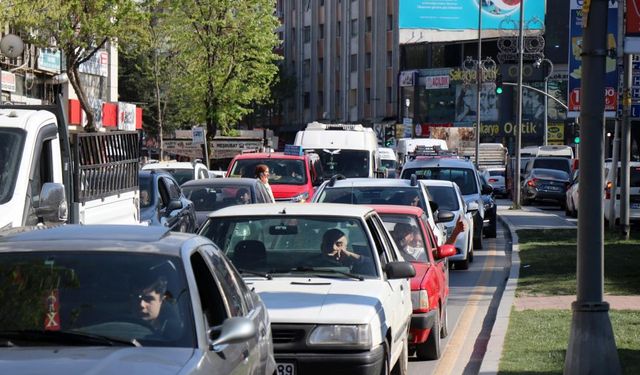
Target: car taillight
(420, 300)
(532, 182)
(607, 190)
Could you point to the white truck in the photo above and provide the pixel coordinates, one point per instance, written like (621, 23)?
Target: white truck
(49, 176)
(406, 146)
(346, 149)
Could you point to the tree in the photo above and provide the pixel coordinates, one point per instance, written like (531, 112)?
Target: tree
(226, 59)
(78, 27)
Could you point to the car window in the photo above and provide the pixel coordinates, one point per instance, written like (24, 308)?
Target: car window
(285, 244)
(147, 194)
(172, 187)
(214, 305)
(388, 242)
(69, 291)
(383, 255)
(214, 197)
(549, 173)
(282, 171)
(445, 197)
(634, 176)
(561, 164)
(397, 195)
(407, 236)
(228, 283)
(464, 177)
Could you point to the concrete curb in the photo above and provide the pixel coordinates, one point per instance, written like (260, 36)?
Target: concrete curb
(491, 360)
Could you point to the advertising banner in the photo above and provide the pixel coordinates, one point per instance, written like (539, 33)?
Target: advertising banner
(126, 116)
(575, 60)
(463, 14)
(633, 18)
(49, 59)
(8, 81)
(97, 65)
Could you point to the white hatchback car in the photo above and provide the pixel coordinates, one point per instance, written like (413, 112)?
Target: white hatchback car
(335, 285)
(180, 170)
(448, 197)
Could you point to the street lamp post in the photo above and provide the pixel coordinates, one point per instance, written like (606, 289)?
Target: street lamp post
(538, 64)
(479, 84)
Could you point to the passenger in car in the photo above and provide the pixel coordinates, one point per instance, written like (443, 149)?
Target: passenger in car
(335, 253)
(243, 196)
(156, 308)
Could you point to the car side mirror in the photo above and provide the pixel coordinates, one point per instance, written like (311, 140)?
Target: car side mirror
(445, 216)
(52, 207)
(445, 251)
(174, 204)
(472, 207)
(486, 189)
(399, 270)
(232, 331)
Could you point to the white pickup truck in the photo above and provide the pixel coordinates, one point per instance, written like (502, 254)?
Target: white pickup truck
(49, 176)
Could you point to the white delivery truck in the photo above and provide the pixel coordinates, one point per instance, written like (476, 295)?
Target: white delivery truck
(346, 149)
(49, 176)
(405, 146)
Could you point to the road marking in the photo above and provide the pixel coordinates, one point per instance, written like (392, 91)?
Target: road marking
(450, 357)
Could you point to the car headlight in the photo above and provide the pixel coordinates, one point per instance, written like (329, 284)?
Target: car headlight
(420, 300)
(344, 335)
(300, 197)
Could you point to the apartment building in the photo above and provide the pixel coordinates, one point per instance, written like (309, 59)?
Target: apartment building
(344, 56)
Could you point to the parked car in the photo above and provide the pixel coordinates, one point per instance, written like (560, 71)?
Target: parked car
(549, 162)
(117, 300)
(460, 171)
(293, 177)
(571, 204)
(381, 191)
(448, 197)
(336, 288)
(180, 170)
(490, 225)
(494, 176)
(215, 193)
(163, 203)
(510, 173)
(543, 185)
(430, 285)
(634, 192)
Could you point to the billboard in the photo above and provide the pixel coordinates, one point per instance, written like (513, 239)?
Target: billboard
(575, 60)
(463, 14)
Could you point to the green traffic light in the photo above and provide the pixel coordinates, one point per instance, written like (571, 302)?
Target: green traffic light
(576, 140)
(498, 90)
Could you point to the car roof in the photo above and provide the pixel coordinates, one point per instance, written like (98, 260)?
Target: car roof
(296, 209)
(437, 183)
(76, 237)
(372, 182)
(169, 165)
(232, 181)
(397, 209)
(268, 155)
(439, 162)
(153, 172)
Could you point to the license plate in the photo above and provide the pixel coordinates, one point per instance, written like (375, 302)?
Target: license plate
(285, 369)
(635, 205)
(552, 188)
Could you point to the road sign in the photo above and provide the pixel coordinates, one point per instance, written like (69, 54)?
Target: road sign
(197, 134)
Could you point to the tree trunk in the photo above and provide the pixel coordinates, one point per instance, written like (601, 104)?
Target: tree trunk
(158, 102)
(74, 78)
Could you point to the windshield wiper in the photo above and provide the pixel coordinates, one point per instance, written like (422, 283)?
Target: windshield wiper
(68, 337)
(327, 270)
(256, 273)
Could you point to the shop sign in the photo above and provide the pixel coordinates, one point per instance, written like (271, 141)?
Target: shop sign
(437, 82)
(8, 81)
(98, 64)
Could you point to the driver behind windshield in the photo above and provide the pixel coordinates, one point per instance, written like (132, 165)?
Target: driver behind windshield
(155, 306)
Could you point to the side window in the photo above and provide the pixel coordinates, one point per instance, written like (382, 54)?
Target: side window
(431, 240)
(213, 304)
(229, 283)
(174, 190)
(163, 192)
(42, 172)
(385, 238)
(382, 254)
(242, 287)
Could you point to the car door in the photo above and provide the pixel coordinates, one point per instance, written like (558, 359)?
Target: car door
(166, 216)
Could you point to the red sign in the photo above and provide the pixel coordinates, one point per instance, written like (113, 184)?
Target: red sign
(610, 99)
(52, 314)
(633, 17)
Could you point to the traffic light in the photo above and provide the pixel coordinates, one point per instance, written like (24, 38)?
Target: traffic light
(389, 135)
(576, 140)
(499, 83)
(576, 134)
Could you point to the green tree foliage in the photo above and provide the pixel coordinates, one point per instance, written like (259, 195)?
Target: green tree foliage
(78, 27)
(224, 51)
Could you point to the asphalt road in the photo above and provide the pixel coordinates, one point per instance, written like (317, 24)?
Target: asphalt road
(474, 297)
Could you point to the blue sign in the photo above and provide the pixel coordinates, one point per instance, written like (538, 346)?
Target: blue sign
(463, 14)
(293, 150)
(49, 59)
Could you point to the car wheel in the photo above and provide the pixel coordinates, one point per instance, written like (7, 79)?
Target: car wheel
(462, 265)
(492, 230)
(470, 256)
(445, 323)
(431, 349)
(477, 243)
(402, 366)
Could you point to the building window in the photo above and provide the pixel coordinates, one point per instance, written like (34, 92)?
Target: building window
(367, 24)
(354, 27)
(321, 30)
(390, 22)
(306, 68)
(307, 34)
(307, 100)
(354, 63)
(353, 97)
(320, 65)
(367, 95)
(367, 60)
(389, 59)
(389, 95)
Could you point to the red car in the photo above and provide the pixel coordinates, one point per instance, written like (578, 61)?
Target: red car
(430, 286)
(293, 177)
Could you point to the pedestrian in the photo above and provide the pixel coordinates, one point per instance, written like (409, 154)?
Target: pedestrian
(262, 174)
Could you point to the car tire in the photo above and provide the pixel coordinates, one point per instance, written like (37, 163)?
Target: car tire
(477, 243)
(445, 323)
(431, 350)
(462, 265)
(402, 366)
(492, 230)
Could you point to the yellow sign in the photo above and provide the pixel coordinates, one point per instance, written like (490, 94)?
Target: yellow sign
(585, 12)
(555, 132)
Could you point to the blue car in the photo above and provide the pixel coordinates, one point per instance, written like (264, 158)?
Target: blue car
(163, 203)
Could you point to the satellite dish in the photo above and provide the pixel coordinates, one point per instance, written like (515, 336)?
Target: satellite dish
(11, 46)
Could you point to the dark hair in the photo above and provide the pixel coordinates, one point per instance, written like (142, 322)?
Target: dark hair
(241, 192)
(329, 238)
(260, 169)
(400, 230)
(148, 283)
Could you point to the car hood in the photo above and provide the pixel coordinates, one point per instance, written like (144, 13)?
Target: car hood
(94, 360)
(287, 191)
(320, 300)
(421, 272)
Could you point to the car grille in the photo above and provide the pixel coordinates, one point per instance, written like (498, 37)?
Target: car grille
(286, 336)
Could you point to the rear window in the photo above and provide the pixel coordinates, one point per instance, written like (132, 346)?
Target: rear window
(550, 173)
(496, 173)
(374, 195)
(559, 164)
(634, 176)
(464, 177)
(445, 197)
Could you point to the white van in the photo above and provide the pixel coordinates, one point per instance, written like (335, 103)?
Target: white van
(408, 145)
(555, 150)
(346, 149)
(388, 161)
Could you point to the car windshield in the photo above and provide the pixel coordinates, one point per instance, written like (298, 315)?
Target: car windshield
(494, 173)
(181, 175)
(550, 174)
(406, 234)
(281, 171)
(349, 163)
(290, 245)
(211, 198)
(464, 177)
(133, 298)
(397, 195)
(147, 195)
(445, 197)
(389, 164)
(560, 164)
(11, 144)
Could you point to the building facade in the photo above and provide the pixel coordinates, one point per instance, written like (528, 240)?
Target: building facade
(344, 56)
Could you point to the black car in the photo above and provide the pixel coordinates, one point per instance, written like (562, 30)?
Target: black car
(212, 194)
(543, 185)
(163, 203)
(490, 210)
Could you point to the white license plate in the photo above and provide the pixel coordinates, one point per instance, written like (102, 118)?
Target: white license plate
(552, 188)
(285, 369)
(635, 206)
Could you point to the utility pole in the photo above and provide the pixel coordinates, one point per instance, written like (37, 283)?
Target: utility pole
(625, 150)
(479, 83)
(517, 182)
(592, 347)
(615, 153)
